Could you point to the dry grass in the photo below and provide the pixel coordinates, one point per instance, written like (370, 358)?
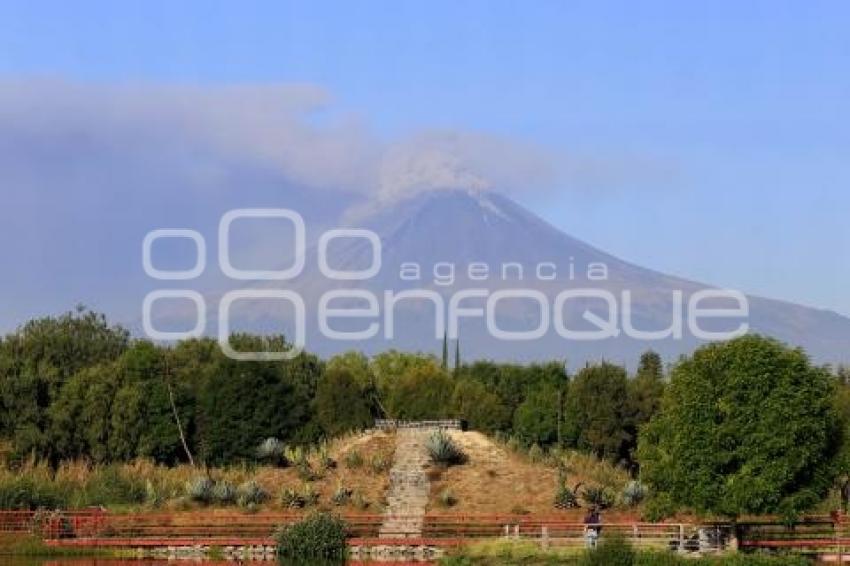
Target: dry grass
(169, 483)
(499, 480)
(494, 480)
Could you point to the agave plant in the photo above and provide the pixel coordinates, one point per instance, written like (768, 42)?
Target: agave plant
(443, 451)
(251, 493)
(341, 496)
(270, 451)
(224, 493)
(291, 498)
(633, 493)
(199, 489)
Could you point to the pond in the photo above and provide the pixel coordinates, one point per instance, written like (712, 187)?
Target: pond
(75, 561)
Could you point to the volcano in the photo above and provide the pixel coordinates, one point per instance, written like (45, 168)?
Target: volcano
(448, 241)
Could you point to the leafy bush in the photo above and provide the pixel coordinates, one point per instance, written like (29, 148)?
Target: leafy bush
(224, 493)
(443, 451)
(270, 451)
(598, 496)
(200, 489)
(658, 507)
(27, 493)
(633, 493)
(353, 460)
(319, 536)
(611, 551)
(251, 493)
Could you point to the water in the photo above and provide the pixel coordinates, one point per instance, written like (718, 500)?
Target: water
(33, 561)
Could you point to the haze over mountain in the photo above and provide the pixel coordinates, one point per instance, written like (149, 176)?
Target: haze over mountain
(443, 232)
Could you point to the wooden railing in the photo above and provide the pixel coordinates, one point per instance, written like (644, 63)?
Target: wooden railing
(824, 536)
(393, 424)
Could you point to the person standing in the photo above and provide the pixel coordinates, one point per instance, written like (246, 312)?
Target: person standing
(592, 527)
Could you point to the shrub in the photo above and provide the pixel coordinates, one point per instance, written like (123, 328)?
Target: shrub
(270, 451)
(447, 498)
(200, 489)
(565, 498)
(597, 496)
(443, 451)
(658, 507)
(110, 486)
(318, 536)
(224, 493)
(353, 460)
(28, 493)
(251, 493)
(611, 551)
(633, 493)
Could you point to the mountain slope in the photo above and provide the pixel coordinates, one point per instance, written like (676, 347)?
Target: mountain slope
(441, 229)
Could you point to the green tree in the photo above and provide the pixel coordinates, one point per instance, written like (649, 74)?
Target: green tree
(38, 359)
(481, 409)
(243, 403)
(645, 392)
(597, 413)
(423, 392)
(342, 404)
(745, 427)
(536, 418)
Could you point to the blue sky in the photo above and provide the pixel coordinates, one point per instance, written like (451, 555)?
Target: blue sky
(712, 138)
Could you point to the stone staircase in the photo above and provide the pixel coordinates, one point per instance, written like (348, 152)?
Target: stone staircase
(407, 497)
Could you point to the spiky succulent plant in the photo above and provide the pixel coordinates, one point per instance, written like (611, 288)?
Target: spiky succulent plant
(443, 451)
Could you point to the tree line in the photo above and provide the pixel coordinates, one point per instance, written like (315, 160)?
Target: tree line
(744, 426)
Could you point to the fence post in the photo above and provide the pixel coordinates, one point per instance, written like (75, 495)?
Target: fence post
(544, 537)
(681, 538)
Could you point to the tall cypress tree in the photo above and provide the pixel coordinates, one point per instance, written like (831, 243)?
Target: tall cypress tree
(445, 351)
(457, 355)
